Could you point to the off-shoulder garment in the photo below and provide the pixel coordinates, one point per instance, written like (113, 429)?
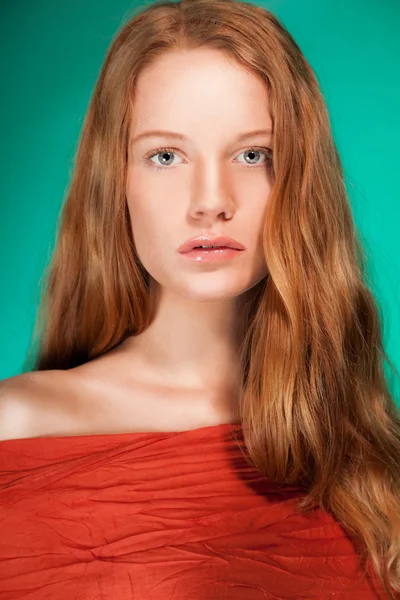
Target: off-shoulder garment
(162, 516)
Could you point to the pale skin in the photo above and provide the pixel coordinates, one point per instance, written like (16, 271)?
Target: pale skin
(182, 372)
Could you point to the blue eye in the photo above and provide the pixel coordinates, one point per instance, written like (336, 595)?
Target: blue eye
(266, 152)
(164, 152)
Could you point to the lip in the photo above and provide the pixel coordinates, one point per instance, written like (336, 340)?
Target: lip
(208, 240)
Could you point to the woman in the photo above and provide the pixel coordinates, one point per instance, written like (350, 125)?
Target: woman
(203, 423)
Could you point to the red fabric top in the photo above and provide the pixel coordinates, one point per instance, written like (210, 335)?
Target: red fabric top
(162, 516)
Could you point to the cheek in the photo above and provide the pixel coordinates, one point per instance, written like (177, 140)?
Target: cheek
(152, 220)
(253, 184)
(155, 199)
(140, 198)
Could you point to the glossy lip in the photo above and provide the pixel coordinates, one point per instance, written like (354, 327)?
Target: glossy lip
(211, 255)
(208, 240)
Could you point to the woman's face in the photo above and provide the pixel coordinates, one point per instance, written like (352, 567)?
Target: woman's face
(211, 182)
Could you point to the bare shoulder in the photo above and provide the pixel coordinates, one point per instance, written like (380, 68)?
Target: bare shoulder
(28, 402)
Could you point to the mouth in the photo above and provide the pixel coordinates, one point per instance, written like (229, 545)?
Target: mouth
(210, 247)
(216, 253)
(208, 242)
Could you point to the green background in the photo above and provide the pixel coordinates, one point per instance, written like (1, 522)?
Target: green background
(52, 53)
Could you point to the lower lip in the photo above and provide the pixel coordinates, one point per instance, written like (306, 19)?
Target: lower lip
(209, 255)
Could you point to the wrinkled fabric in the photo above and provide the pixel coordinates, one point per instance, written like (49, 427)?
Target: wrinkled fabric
(162, 516)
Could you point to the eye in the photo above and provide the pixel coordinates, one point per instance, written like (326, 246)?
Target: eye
(165, 154)
(252, 154)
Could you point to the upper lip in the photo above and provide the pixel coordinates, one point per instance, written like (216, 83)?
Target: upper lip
(209, 240)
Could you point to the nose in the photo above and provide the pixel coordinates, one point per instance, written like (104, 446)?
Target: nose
(212, 193)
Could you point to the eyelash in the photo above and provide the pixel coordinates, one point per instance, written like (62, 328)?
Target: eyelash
(267, 151)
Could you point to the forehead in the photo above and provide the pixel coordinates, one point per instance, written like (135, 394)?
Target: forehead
(187, 89)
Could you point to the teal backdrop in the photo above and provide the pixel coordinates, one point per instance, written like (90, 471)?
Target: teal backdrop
(52, 53)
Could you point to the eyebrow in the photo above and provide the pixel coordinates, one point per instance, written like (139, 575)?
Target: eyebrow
(179, 136)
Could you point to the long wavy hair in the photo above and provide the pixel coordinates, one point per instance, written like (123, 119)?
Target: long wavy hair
(316, 409)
